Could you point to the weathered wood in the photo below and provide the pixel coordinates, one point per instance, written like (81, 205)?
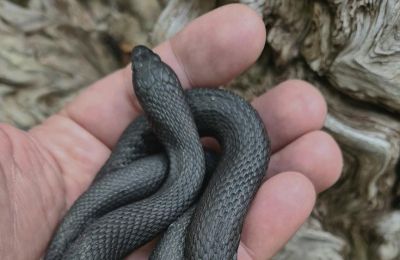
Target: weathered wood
(350, 50)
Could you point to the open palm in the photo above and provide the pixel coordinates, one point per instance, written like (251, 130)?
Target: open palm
(44, 170)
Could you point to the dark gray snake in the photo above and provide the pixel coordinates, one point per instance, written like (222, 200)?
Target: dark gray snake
(159, 180)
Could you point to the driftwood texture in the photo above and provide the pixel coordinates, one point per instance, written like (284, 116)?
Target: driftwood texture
(350, 50)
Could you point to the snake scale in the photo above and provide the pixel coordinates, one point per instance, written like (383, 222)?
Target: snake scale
(160, 180)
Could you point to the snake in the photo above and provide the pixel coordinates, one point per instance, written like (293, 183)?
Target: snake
(160, 181)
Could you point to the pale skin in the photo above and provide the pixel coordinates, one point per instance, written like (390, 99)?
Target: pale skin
(44, 170)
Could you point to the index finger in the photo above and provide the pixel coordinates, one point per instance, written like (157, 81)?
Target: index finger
(210, 51)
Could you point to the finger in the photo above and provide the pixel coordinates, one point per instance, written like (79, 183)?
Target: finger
(210, 51)
(142, 253)
(315, 154)
(87, 128)
(281, 206)
(290, 110)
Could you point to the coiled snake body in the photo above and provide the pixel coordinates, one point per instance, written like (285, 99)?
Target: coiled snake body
(153, 181)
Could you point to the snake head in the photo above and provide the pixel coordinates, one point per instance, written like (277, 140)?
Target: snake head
(143, 56)
(151, 75)
(145, 64)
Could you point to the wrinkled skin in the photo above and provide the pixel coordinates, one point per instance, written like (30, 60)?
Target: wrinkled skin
(44, 170)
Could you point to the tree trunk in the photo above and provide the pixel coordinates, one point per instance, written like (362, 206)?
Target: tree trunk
(350, 50)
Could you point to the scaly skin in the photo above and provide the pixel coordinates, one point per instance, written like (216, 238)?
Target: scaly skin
(175, 118)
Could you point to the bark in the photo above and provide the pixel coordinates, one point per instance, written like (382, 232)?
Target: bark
(349, 49)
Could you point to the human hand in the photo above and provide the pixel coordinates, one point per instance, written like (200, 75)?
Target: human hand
(43, 171)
